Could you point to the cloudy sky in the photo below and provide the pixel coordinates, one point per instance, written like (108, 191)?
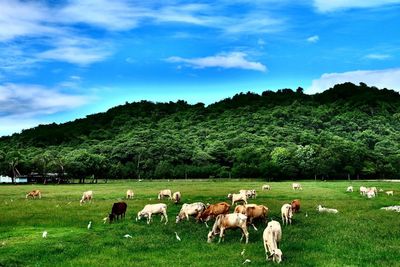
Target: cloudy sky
(60, 60)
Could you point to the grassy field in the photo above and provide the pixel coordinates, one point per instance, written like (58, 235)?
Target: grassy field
(359, 235)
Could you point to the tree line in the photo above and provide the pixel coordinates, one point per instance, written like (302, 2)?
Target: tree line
(346, 132)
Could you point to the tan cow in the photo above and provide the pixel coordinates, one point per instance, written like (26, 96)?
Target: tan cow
(213, 211)
(229, 221)
(176, 197)
(34, 194)
(252, 211)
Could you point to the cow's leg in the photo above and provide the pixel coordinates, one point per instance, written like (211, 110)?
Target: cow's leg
(166, 217)
(148, 218)
(221, 234)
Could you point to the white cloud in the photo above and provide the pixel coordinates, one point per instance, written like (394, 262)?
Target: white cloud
(334, 5)
(235, 60)
(389, 78)
(378, 56)
(32, 100)
(313, 39)
(75, 54)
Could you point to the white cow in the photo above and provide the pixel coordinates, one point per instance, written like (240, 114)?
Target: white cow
(129, 194)
(237, 198)
(165, 193)
(266, 187)
(371, 193)
(229, 221)
(272, 236)
(87, 195)
(287, 214)
(296, 186)
(322, 209)
(363, 190)
(151, 209)
(190, 210)
(349, 189)
(249, 193)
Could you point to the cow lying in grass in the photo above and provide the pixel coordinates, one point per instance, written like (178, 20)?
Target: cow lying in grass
(228, 221)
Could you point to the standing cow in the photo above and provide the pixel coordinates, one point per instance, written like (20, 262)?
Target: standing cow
(118, 210)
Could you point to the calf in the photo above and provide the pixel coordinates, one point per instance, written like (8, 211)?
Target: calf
(129, 194)
(272, 236)
(190, 210)
(229, 221)
(295, 205)
(287, 214)
(165, 193)
(34, 194)
(238, 198)
(87, 196)
(363, 190)
(151, 209)
(296, 186)
(213, 211)
(176, 197)
(118, 210)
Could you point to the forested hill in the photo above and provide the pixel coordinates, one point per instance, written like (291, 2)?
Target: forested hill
(346, 131)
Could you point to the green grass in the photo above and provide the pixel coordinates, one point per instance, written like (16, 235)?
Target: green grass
(359, 235)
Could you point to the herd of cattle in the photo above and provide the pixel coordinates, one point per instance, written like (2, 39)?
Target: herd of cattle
(243, 215)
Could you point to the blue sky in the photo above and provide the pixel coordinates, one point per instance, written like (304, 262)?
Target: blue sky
(61, 60)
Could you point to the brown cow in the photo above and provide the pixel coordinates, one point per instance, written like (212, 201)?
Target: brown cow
(295, 205)
(213, 211)
(34, 194)
(253, 212)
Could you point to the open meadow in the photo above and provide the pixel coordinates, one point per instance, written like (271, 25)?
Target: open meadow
(361, 234)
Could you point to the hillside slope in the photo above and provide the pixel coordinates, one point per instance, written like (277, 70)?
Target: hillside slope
(346, 131)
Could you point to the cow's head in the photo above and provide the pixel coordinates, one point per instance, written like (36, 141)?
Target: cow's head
(276, 255)
(111, 217)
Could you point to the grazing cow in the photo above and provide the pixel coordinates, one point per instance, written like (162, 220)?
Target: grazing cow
(151, 209)
(87, 195)
(238, 198)
(229, 221)
(287, 214)
(295, 205)
(363, 190)
(266, 187)
(272, 236)
(296, 186)
(253, 212)
(176, 197)
(349, 189)
(374, 189)
(213, 211)
(389, 193)
(322, 209)
(165, 193)
(118, 210)
(190, 210)
(249, 193)
(129, 194)
(371, 193)
(34, 194)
